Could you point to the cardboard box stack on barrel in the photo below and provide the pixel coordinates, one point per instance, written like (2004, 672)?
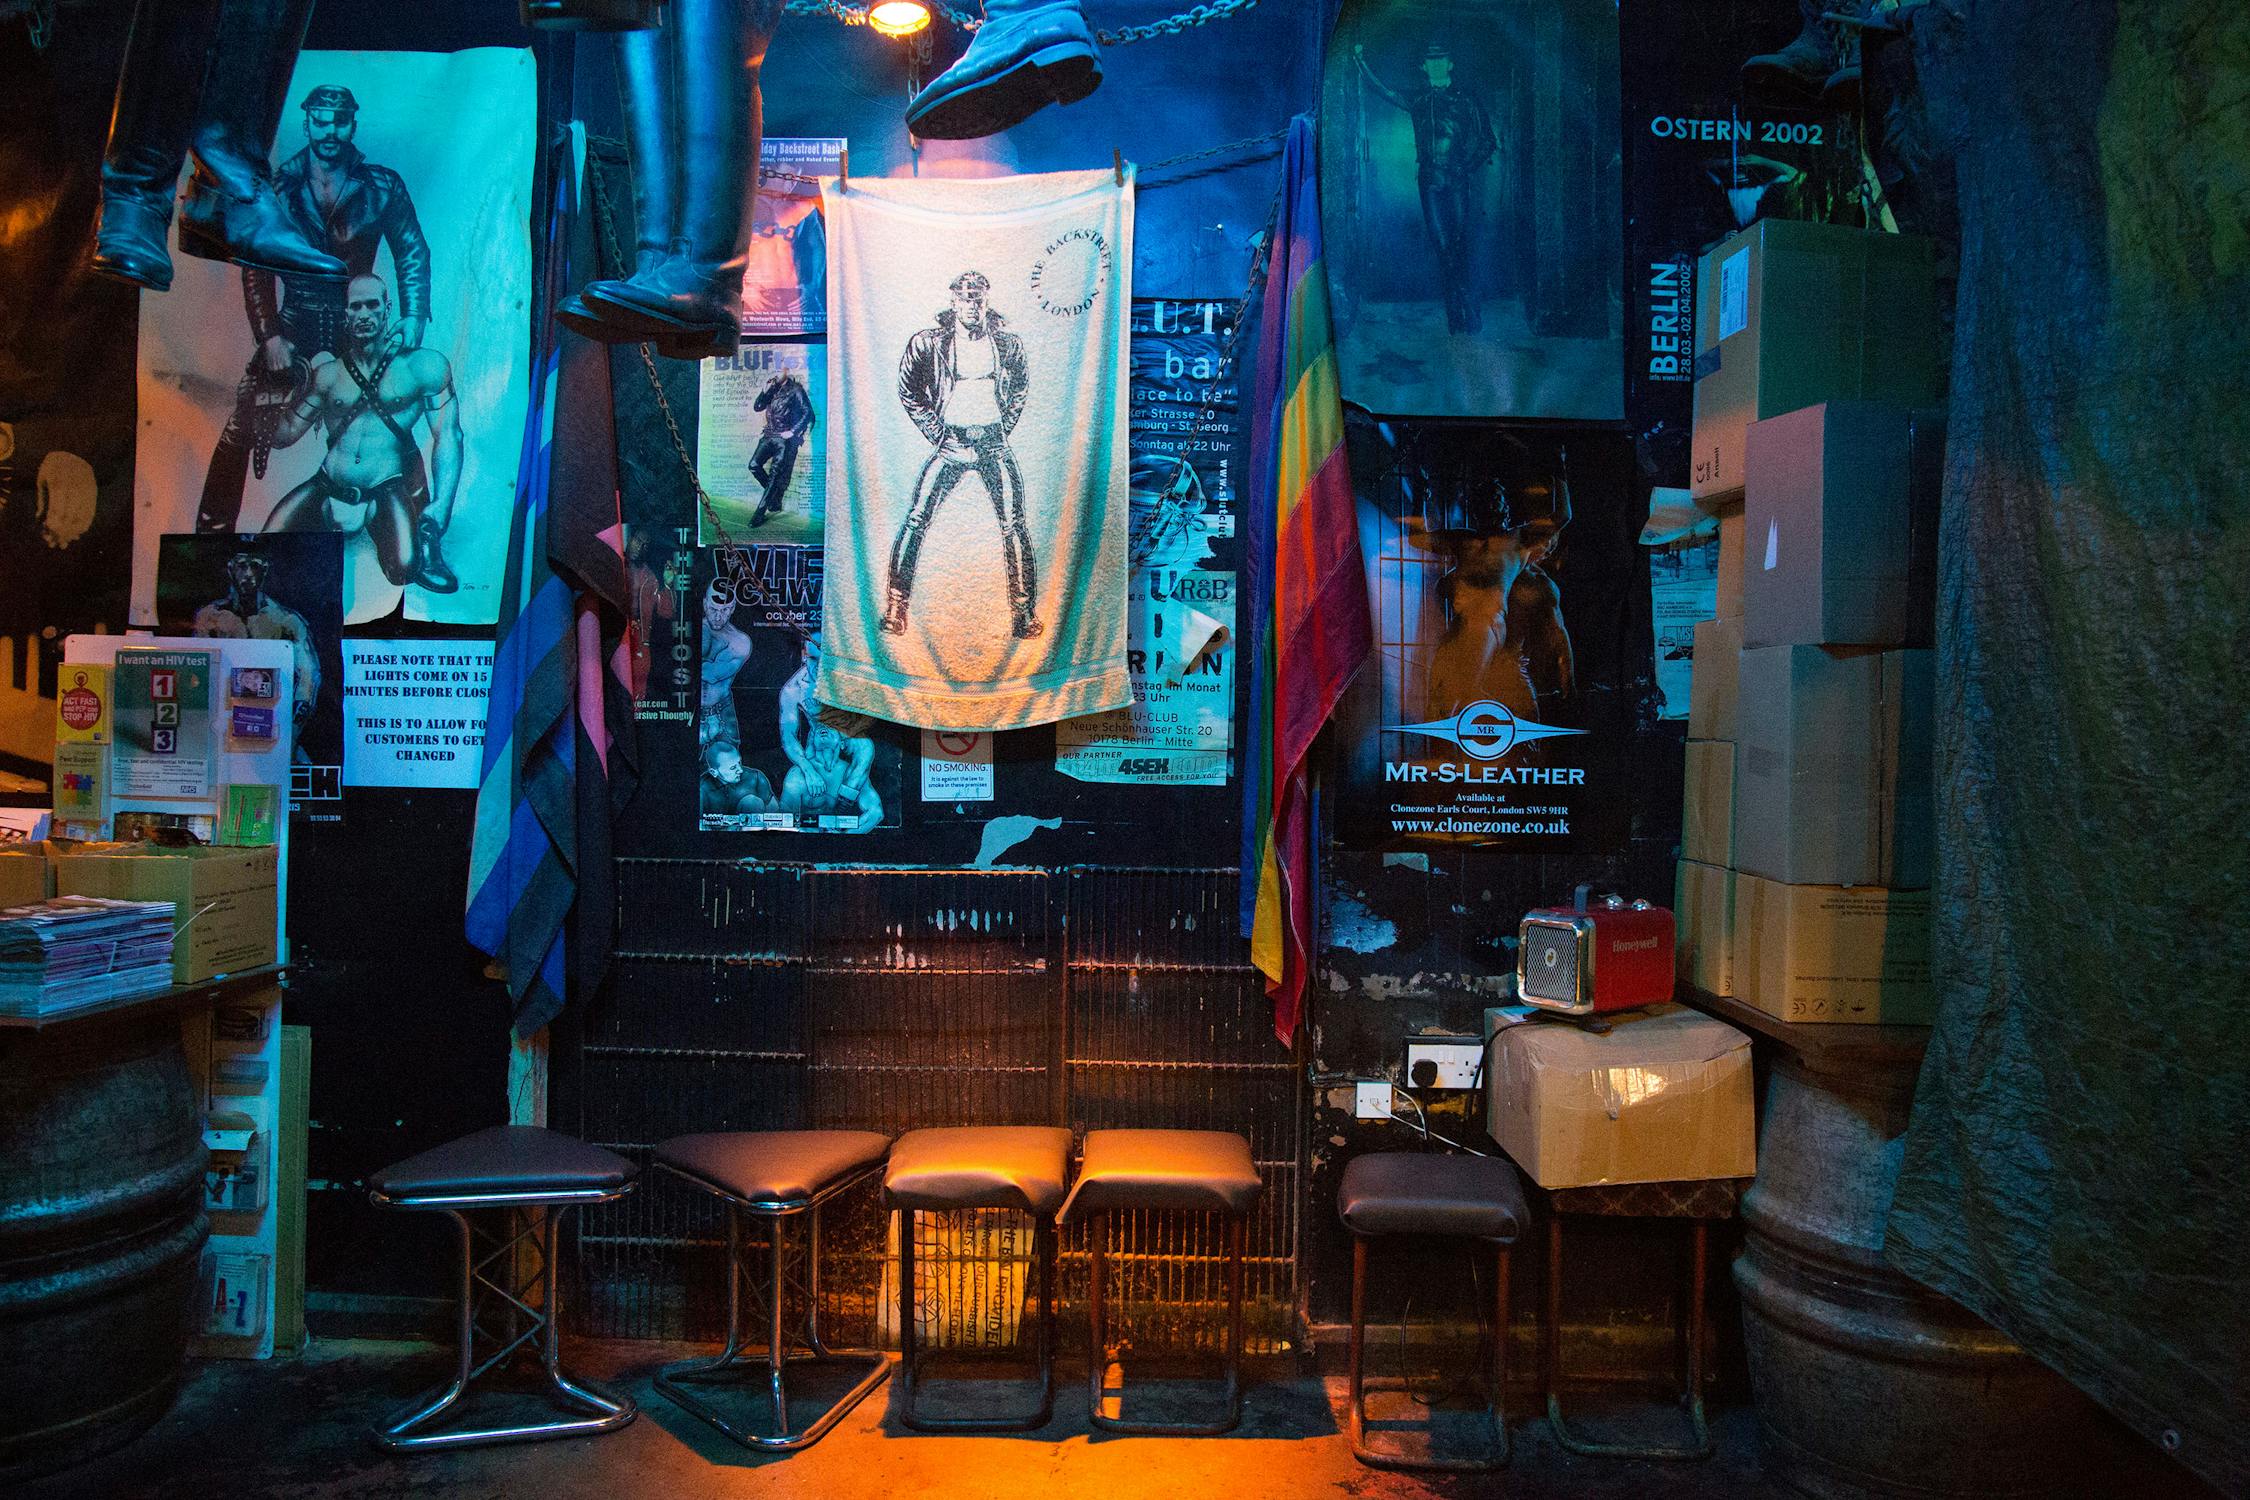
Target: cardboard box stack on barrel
(1806, 852)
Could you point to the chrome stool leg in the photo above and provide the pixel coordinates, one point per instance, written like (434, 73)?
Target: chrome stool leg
(1097, 1353)
(730, 1366)
(912, 1355)
(1356, 1414)
(608, 1412)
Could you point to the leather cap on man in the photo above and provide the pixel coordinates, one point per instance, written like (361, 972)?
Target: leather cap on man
(331, 96)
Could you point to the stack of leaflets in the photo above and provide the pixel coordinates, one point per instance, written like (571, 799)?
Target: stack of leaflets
(75, 951)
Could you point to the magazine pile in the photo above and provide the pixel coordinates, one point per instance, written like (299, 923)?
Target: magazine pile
(75, 951)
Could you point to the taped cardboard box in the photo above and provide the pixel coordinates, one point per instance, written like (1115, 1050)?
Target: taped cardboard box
(1842, 511)
(1714, 687)
(224, 899)
(24, 875)
(1703, 903)
(1728, 605)
(1791, 314)
(1820, 953)
(1833, 768)
(1664, 1096)
(1707, 815)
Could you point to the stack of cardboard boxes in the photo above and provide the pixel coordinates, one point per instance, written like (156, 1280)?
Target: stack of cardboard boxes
(1806, 848)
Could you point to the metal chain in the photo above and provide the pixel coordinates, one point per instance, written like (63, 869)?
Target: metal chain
(1194, 16)
(1200, 15)
(1226, 148)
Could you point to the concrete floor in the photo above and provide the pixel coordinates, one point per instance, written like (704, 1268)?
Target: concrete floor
(298, 1427)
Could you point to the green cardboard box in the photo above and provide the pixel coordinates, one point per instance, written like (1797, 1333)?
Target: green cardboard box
(1789, 315)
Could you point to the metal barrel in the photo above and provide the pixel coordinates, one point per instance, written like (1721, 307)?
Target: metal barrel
(1867, 1384)
(102, 1227)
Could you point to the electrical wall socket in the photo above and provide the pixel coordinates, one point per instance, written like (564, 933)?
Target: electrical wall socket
(1371, 1101)
(1458, 1061)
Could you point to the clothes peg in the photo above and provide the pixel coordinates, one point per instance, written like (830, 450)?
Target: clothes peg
(1117, 164)
(844, 169)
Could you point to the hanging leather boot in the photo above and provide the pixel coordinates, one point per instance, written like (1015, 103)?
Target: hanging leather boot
(430, 570)
(165, 54)
(591, 15)
(1027, 55)
(688, 297)
(1796, 74)
(646, 90)
(231, 211)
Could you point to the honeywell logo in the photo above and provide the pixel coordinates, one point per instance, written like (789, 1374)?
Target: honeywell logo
(1647, 942)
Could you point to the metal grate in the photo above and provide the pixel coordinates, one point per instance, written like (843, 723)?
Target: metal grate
(763, 996)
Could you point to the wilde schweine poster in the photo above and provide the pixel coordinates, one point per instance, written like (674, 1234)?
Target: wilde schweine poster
(1470, 183)
(767, 764)
(387, 406)
(1188, 454)
(1511, 637)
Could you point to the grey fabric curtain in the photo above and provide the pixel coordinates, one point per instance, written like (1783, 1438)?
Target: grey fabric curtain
(2078, 1167)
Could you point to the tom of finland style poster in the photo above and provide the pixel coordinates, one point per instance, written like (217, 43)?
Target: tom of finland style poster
(386, 407)
(977, 536)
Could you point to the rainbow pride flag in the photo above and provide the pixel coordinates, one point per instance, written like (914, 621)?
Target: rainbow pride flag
(1305, 585)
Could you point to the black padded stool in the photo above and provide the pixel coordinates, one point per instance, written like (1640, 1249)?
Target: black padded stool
(1196, 1171)
(774, 1175)
(534, 1177)
(1422, 1193)
(1700, 1203)
(1023, 1167)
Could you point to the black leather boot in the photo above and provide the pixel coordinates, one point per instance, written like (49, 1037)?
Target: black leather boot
(166, 52)
(231, 212)
(591, 15)
(1795, 75)
(688, 297)
(430, 570)
(647, 87)
(1027, 55)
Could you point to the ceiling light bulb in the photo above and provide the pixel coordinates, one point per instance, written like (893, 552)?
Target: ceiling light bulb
(898, 17)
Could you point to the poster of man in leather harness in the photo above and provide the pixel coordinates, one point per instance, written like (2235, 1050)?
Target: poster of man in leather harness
(385, 405)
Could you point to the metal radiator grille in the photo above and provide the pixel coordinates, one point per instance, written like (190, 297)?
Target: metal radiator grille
(760, 996)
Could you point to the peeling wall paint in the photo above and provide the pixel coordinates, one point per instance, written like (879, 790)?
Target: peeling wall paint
(1352, 926)
(1003, 834)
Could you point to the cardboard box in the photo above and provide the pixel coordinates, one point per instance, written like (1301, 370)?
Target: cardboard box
(1842, 527)
(1731, 533)
(1664, 1096)
(1714, 688)
(25, 876)
(1818, 953)
(1790, 314)
(225, 910)
(1707, 812)
(1703, 906)
(1832, 770)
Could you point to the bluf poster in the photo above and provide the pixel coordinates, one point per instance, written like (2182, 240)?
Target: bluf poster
(760, 444)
